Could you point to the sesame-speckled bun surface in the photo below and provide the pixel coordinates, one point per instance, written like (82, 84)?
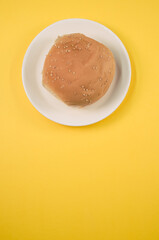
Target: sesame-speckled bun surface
(78, 69)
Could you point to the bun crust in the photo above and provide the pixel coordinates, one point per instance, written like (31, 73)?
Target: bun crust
(78, 69)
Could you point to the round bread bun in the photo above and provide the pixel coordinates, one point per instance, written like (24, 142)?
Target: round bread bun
(78, 69)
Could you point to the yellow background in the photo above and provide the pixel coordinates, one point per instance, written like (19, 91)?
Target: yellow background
(99, 182)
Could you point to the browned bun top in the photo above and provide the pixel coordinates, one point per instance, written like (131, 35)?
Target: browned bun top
(78, 69)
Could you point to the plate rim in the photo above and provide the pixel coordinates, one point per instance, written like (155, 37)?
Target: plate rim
(123, 95)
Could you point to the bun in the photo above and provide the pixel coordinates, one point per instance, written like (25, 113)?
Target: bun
(78, 69)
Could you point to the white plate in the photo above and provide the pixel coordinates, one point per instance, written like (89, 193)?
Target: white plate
(49, 105)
